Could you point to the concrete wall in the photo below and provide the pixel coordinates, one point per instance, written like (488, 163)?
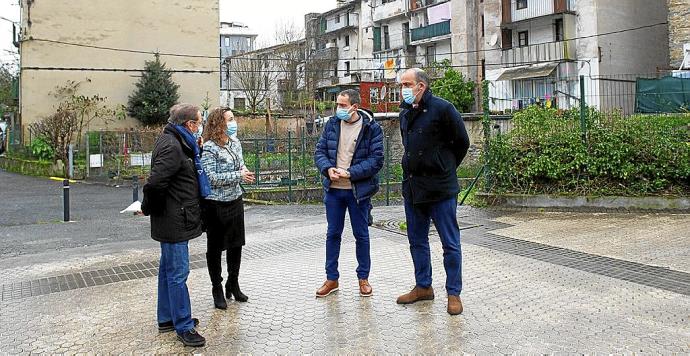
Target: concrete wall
(679, 29)
(633, 52)
(464, 33)
(190, 27)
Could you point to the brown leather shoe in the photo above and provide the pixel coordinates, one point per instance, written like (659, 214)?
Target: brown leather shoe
(327, 288)
(454, 305)
(417, 294)
(365, 288)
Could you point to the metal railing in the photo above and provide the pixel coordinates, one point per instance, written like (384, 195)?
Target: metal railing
(552, 51)
(426, 32)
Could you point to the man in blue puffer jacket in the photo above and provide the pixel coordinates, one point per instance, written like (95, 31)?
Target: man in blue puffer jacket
(349, 156)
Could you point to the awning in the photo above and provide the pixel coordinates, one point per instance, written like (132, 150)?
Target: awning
(526, 72)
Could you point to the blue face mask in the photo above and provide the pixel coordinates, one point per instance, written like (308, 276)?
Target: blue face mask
(408, 95)
(232, 128)
(343, 114)
(199, 131)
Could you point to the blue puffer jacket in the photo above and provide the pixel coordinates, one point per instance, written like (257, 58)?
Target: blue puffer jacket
(366, 162)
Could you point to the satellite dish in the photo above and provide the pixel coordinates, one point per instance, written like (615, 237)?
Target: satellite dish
(493, 40)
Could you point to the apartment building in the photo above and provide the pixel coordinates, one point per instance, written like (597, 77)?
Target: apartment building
(235, 39)
(542, 47)
(334, 49)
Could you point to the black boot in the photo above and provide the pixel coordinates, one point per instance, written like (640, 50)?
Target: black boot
(232, 287)
(215, 272)
(219, 298)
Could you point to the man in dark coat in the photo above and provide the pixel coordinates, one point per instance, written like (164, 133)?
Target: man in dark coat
(435, 142)
(171, 198)
(349, 156)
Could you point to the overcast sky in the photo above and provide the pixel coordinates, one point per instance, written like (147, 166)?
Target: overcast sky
(261, 15)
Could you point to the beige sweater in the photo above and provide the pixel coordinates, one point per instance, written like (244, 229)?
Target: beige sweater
(346, 149)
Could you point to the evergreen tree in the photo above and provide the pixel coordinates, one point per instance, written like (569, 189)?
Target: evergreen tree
(155, 94)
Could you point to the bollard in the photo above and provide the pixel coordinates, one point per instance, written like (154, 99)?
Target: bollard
(135, 188)
(65, 195)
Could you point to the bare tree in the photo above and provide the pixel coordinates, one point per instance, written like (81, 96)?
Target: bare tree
(252, 75)
(58, 129)
(289, 53)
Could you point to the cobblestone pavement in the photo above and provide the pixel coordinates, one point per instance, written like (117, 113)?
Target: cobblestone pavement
(557, 291)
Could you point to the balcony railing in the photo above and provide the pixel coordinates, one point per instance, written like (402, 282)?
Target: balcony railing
(431, 31)
(535, 8)
(544, 52)
(326, 54)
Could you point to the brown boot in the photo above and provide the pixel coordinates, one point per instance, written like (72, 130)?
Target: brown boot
(454, 305)
(327, 288)
(417, 294)
(365, 288)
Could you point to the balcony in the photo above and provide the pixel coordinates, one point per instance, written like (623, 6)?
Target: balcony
(326, 54)
(390, 10)
(422, 4)
(346, 21)
(544, 52)
(429, 32)
(534, 9)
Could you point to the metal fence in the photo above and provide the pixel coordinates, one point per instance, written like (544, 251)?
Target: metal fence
(284, 161)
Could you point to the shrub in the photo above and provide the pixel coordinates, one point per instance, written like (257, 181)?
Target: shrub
(41, 149)
(638, 155)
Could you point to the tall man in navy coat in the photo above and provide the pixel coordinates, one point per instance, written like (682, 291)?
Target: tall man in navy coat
(435, 142)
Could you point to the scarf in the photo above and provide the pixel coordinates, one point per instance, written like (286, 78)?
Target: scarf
(202, 178)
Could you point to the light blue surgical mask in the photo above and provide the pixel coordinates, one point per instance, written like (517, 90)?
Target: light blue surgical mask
(343, 113)
(408, 95)
(199, 131)
(232, 128)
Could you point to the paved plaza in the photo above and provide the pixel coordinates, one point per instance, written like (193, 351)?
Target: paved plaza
(534, 282)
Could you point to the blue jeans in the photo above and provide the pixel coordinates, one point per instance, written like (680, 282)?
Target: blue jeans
(418, 221)
(338, 201)
(173, 297)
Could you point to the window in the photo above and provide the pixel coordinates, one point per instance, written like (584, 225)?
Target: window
(347, 68)
(482, 24)
(386, 38)
(406, 33)
(558, 30)
(394, 95)
(337, 18)
(239, 103)
(430, 55)
(227, 41)
(374, 95)
(377, 39)
(521, 4)
(335, 70)
(347, 41)
(523, 39)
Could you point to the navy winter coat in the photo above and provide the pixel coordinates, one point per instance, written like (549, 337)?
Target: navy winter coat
(366, 161)
(435, 141)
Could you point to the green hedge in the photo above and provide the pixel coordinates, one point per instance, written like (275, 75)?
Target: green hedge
(633, 156)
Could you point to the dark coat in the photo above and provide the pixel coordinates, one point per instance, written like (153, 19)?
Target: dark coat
(435, 141)
(366, 161)
(171, 195)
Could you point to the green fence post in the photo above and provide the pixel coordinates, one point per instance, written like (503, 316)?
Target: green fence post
(303, 147)
(257, 165)
(583, 108)
(486, 127)
(388, 170)
(289, 144)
